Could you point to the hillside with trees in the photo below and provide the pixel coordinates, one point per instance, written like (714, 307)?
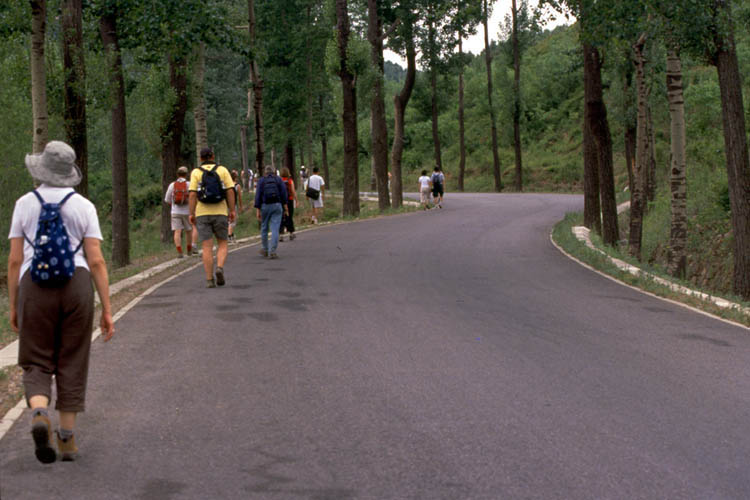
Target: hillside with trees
(638, 101)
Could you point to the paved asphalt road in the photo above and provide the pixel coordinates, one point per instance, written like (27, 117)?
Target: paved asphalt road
(450, 354)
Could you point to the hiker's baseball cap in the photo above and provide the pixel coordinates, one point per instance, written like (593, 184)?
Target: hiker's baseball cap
(182, 171)
(55, 166)
(206, 153)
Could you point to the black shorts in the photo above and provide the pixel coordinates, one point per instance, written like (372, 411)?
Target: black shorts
(437, 191)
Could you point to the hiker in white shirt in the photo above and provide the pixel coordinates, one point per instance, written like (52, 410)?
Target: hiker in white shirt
(315, 183)
(425, 185)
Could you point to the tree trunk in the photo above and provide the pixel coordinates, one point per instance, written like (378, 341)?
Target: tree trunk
(260, 147)
(120, 209)
(629, 136)
(677, 258)
(435, 129)
(517, 100)
(324, 144)
(349, 115)
(243, 147)
(74, 93)
(324, 159)
(488, 62)
(461, 130)
(199, 111)
(638, 194)
(591, 206)
(400, 101)
(630, 146)
(603, 143)
(373, 167)
(38, 75)
(738, 161)
(171, 137)
(289, 157)
(650, 171)
(310, 159)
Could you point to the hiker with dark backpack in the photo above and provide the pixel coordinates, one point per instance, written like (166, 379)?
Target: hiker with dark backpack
(271, 199)
(438, 181)
(55, 253)
(211, 209)
(178, 196)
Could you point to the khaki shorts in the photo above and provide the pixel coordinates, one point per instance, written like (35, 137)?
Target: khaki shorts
(212, 225)
(180, 222)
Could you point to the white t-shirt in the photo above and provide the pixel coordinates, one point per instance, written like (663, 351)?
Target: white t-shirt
(78, 214)
(424, 182)
(316, 182)
(177, 209)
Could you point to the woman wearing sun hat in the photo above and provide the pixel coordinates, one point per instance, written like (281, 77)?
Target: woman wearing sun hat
(55, 323)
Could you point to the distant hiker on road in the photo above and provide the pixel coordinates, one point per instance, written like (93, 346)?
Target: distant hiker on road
(178, 195)
(287, 221)
(271, 201)
(424, 189)
(438, 181)
(51, 298)
(211, 209)
(314, 191)
(238, 200)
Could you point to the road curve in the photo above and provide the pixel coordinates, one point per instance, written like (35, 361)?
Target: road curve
(448, 354)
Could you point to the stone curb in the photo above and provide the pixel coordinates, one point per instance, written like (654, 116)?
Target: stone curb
(583, 234)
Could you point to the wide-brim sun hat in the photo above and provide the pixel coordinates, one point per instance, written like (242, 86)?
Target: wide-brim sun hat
(55, 166)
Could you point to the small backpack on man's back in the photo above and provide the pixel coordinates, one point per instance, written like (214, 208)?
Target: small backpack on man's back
(53, 263)
(180, 193)
(271, 191)
(210, 189)
(436, 181)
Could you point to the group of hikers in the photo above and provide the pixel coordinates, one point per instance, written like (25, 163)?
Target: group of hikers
(205, 206)
(55, 255)
(434, 185)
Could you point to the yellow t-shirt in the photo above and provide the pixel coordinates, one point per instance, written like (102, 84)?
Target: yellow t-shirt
(226, 182)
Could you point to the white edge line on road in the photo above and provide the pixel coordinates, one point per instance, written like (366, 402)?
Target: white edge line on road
(694, 309)
(7, 421)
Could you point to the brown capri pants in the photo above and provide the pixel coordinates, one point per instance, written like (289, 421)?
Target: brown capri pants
(55, 338)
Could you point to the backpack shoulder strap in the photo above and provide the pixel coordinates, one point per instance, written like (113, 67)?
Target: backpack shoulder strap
(38, 196)
(66, 198)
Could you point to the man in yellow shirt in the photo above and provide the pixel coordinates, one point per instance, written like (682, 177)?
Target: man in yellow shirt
(211, 209)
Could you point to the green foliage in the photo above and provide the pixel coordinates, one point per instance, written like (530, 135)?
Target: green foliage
(145, 199)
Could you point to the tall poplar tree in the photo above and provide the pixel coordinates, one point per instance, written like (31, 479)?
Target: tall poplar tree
(349, 114)
(735, 143)
(493, 119)
(38, 74)
(74, 95)
(403, 42)
(466, 15)
(120, 209)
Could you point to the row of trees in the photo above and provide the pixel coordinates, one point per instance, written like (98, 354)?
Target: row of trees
(296, 53)
(703, 29)
(287, 42)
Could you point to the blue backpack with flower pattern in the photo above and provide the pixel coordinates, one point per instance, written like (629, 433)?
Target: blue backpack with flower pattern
(53, 263)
